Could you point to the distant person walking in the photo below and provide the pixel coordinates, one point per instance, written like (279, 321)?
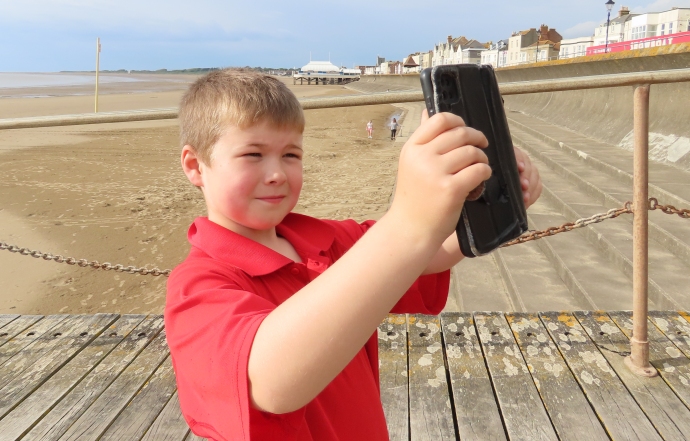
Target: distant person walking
(370, 128)
(394, 128)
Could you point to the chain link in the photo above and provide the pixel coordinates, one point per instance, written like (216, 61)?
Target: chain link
(653, 204)
(83, 262)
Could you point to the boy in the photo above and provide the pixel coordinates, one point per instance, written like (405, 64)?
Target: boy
(271, 319)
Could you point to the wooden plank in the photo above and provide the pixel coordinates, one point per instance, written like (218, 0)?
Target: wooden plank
(29, 335)
(17, 326)
(570, 412)
(192, 437)
(145, 407)
(7, 318)
(26, 414)
(675, 326)
(392, 336)
(523, 413)
(100, 415)
(663, 408)
(671, 363)
(612, 402)
(47, 354)
(170, 425)
(54, 424)
(475, 407)
(431, 416)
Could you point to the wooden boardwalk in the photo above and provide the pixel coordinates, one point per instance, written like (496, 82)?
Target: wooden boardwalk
(467, 376)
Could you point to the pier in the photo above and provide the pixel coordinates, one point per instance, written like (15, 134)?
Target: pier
(467, 376)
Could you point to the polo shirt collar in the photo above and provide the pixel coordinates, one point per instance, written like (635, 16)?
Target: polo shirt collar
(309, 236)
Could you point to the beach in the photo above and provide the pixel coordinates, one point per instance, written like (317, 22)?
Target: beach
(116, 192)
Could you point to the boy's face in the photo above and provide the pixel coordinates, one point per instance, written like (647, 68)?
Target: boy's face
(254, 179)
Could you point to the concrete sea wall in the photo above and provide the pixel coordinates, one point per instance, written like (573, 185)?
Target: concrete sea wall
(604, 114)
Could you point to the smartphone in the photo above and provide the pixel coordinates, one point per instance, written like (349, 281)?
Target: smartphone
(470, 91)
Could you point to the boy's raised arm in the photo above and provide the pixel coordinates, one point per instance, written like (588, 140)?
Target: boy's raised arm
(331, 318)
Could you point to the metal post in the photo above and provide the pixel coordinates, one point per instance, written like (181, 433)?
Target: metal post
(638, 360)
(608, 23)
(98, 56)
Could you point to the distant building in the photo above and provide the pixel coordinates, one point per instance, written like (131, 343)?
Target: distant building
(516, 42)
(320, 67)
(411, 63)
(575, 47)
(426, 59)
(496, 54)
(546, 47)
(391, 68)
(638, 31)
(366, 70)
(616, 30)
(457, 50)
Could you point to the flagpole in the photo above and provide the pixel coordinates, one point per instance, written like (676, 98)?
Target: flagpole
(98, 56)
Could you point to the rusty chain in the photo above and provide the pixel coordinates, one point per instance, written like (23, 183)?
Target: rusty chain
(653, 204)
(83, 262)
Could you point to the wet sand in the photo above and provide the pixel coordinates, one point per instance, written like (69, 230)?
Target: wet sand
(115, 193)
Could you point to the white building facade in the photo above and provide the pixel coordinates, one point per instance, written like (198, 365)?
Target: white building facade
(575, 47)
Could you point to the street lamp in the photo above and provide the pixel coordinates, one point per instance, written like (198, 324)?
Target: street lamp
(538, 37)
(609, 5)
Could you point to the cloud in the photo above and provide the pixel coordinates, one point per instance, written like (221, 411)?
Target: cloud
(581, 30)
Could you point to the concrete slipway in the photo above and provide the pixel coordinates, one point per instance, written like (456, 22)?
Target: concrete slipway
(581, 141)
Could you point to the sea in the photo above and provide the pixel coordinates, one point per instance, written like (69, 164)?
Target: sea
(19, 80)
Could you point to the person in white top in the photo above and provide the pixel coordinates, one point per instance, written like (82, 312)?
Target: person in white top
(394, 128)
(370, 128)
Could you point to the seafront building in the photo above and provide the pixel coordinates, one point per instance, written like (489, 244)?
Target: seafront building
(575, 47)
(497, 54)
(626, 31)
(325, 72)
(517, 41)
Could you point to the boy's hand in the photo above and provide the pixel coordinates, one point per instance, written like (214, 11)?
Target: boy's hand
(530, 181)
(439, 165)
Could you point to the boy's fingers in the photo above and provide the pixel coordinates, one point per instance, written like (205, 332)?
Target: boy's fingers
(458, 137)
(436, 125)
(425, 116)
(463, 157)
(470, 177)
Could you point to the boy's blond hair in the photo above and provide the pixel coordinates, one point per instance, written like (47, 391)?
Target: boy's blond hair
(235, 97)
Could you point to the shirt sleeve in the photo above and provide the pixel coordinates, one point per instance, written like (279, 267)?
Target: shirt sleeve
(427, 295)
(210, 327)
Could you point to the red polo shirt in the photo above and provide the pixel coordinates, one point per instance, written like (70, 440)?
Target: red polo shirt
(216, 301)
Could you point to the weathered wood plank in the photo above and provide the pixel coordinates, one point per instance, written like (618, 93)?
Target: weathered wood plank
(523, 413)
(17, 326)
(145, 407)
(476, 409)
(431, 416)
(99, 416)
(570, 412)
(612, 402)
(27, 337)
(192, 437)
(54, 424)
(170, 425)
(392, 336)
(675, 326)
(48, 354)
(671, 363)
(26, 414)
(7, 318)
(663, 408)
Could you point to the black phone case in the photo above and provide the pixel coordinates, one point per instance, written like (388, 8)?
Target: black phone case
(471, 91)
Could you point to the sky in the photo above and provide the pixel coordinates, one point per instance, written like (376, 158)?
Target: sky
(60, 35)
